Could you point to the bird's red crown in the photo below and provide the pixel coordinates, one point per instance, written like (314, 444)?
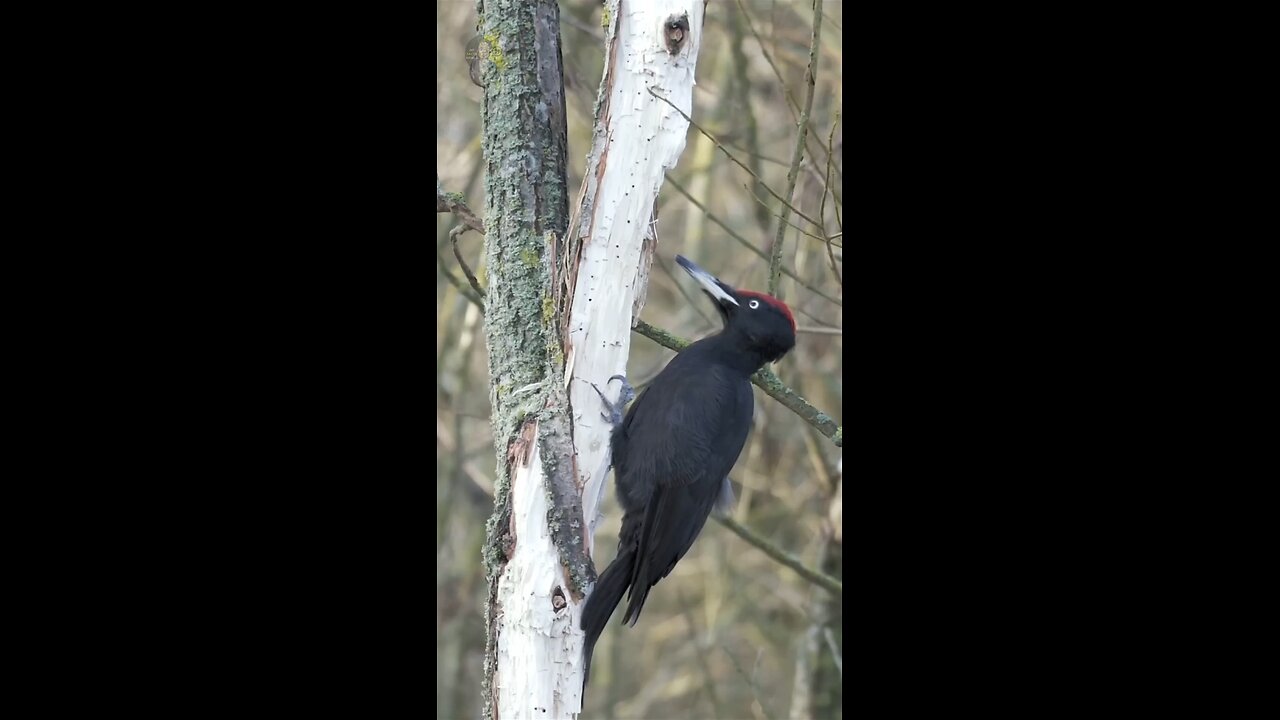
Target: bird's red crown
(774, 302)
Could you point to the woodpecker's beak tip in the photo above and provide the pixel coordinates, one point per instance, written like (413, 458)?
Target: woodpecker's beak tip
(713, 287)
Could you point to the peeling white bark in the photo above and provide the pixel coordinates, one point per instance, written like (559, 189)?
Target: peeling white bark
(540, 648)
(642, 138)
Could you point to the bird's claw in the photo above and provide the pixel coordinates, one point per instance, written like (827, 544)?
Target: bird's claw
(626, 395)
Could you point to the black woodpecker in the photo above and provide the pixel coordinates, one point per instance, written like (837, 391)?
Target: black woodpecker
(672, 453)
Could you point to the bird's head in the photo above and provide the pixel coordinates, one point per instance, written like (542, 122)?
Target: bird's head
(763, 321)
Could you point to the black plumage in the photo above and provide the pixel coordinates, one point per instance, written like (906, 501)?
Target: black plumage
(673, 451)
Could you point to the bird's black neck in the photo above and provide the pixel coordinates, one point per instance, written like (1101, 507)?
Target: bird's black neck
(731, 349)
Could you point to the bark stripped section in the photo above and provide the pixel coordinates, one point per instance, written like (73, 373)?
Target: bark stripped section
(637, 138)
(534, 535)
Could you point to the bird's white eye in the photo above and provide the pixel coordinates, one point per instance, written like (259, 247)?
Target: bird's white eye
(754, 304)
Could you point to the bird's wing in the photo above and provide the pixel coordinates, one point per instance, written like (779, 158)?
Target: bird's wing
(672, 521)
(680, 440)
(685, 427)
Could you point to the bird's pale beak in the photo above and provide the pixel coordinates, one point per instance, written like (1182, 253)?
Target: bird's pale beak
(718, 291)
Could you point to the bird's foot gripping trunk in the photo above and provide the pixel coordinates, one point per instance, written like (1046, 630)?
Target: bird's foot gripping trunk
(615, 409)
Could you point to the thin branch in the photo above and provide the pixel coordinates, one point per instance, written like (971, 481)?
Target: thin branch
(835, 651)
(729, 155)
(773, 387)
(749, 153)
(820, 330)
(453, 237)
(462, 288)
(751, 682)
(757, 198)
(826, 582)
(747, 243)
(699, 652)
(821, 321)
(822, 208)
(764, 379)
(809, 77)
(743, 89)
(791, 102)
(453, 202)
(792, 105)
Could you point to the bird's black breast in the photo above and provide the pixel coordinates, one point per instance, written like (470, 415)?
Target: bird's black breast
(687, 428)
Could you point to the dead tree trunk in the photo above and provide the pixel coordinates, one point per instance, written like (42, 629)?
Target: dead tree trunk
(651, 56)
(561, 300)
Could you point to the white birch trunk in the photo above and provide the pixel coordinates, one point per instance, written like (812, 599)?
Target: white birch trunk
(540, 644)
(638, 138)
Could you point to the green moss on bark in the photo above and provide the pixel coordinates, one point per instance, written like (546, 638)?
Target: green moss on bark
(526, 198)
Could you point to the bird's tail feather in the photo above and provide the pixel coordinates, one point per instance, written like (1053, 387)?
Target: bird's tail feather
(603, 600)
(635, 603)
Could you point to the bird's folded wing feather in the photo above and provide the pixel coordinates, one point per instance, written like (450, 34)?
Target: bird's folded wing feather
(685, 427)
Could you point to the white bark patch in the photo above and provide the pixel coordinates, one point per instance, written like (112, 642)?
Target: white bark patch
(644, 138)
(539, 671)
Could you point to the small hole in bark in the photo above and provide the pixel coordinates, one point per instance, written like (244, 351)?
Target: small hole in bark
(676, 29)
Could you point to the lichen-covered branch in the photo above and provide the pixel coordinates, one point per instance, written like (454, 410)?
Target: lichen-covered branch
(774, 388)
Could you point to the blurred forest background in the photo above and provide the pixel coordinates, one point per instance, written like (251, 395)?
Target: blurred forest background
(731, 633)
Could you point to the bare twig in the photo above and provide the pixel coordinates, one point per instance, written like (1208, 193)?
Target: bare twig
(453, 237)
(822, 208)
(749, 153)
(820, 330)
(758, 199)
(740, 66)
(791, 102)
(729, 155)
(835, 651)
(821, 321)
(828, 583)
(453, 202)
(467, 292)
(699, 651)
(809, 77)
(792, 105)
(765, 380)
(747, 243)
(751, 681)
